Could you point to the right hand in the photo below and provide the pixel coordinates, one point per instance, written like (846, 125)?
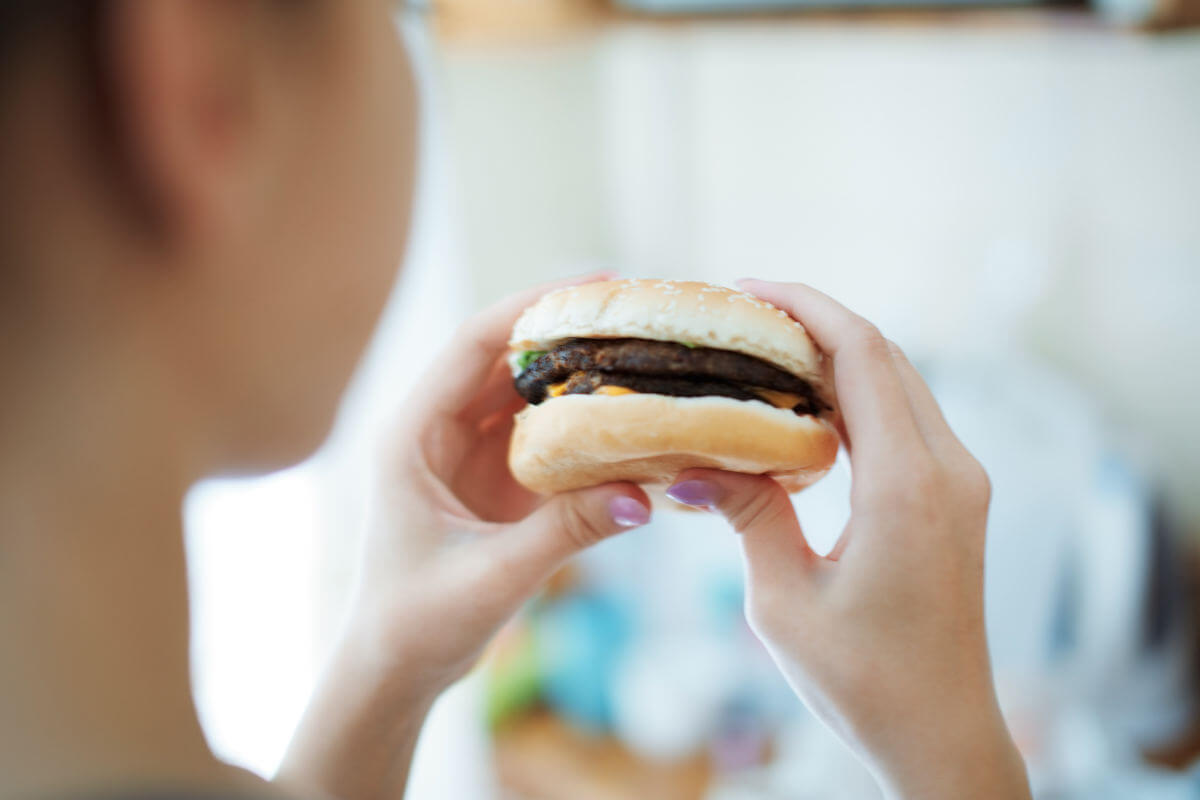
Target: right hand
(456, 546)
(884, 638)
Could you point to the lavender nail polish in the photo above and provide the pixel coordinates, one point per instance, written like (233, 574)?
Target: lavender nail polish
(627, 512)
(694, 493)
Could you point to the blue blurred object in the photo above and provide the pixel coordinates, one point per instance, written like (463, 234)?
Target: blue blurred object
(725, 596)
(580, 640)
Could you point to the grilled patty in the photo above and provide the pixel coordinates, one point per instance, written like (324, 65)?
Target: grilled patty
(654, 367)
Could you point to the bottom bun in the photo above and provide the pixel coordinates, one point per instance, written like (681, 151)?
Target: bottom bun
(582, 440)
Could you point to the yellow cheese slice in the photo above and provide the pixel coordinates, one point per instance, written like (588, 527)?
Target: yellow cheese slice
(559, 389)
(777, 399)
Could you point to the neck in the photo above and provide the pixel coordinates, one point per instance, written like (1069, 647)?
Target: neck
(94, 673)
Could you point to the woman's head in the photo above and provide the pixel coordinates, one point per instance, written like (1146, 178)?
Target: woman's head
(219, 186)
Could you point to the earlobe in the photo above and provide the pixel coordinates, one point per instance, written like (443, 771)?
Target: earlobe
(176, 110)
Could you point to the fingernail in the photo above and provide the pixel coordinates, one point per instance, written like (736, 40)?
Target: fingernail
(694, 493)
(627, 512)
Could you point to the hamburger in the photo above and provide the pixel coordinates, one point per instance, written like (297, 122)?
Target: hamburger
(641, 379)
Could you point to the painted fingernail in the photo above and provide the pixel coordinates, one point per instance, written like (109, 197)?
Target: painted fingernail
(627, 512)
(694, 493)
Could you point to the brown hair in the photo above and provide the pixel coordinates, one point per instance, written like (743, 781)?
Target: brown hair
(26, 24)
(23, 22)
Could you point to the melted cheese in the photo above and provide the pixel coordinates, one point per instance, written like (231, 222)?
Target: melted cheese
(613, 390)
(779, 399)
(559, 389)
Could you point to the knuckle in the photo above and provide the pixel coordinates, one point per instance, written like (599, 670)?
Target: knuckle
(865, 333)
(759, 619)
(975, 481)
(581, 529)
(475, 334)
(778, 616)
(919, 489)
(757, 508)
(865, 339)
(923, 481)
(766, 611)
(469, 337)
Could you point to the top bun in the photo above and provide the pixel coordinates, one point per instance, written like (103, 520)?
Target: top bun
(671, 311)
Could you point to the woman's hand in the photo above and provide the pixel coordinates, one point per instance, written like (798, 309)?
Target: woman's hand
(454, 549)
(883, 639)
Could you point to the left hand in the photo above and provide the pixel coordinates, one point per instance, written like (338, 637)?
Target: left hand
(884, 639)
(455, 547)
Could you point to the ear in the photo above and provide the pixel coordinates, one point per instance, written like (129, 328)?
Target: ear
(182, 92)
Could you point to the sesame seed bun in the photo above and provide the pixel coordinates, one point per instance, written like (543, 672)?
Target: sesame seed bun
(579, 440)
(671, 311)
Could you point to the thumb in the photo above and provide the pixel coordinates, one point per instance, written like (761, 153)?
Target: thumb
(568, 523)
(758, 508)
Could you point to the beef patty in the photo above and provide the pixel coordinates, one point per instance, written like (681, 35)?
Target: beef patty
(654, 367)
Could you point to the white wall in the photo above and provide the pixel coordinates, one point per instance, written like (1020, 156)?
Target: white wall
(970, 189)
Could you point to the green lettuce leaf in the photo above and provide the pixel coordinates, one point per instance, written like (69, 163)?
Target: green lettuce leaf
(528, 357)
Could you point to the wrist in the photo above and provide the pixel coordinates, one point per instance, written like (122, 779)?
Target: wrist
(972, 756)
(391, 669)
(356, 737)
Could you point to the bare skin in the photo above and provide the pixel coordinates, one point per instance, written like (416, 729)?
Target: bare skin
(455, 548)
(186, 293)
(142, 351)
(884, 639)
(274, 145)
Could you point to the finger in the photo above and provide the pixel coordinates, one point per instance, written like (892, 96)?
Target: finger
(928, 414)
(503, 417)
(479, 345)
(483, 482)
(878, 418)
(494, 393)
(566, 524)
(839, 547)
(777, 554)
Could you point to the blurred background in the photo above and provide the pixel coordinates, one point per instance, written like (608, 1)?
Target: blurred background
(1011, 193)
